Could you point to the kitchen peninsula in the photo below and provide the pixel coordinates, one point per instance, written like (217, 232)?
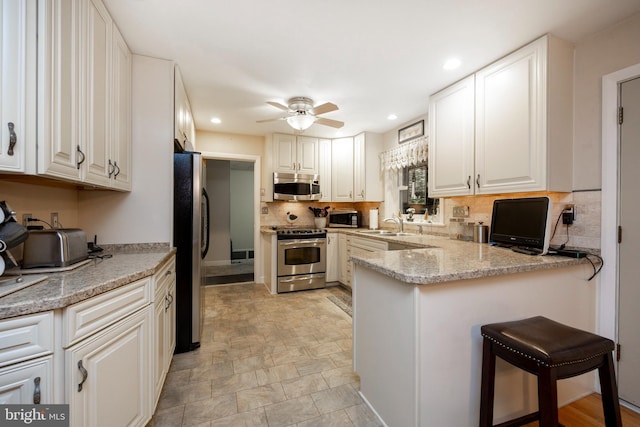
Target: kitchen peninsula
(417, 316)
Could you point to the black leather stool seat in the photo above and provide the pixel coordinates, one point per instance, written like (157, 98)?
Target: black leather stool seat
(551, 351)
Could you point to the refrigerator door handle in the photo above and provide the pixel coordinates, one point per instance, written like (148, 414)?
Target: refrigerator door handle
(206, 236)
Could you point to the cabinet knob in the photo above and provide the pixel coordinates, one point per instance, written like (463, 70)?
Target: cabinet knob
(84, 373)
(13, 138)
(36, 391)
(168, 273)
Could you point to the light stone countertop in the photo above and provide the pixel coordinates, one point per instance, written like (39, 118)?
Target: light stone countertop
(446, 260)
(98, 276)
(438, 259)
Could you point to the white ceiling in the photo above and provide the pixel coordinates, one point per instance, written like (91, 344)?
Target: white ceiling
(369, 57)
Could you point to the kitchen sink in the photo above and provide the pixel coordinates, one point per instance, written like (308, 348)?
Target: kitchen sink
(380, 232)
(385, 233)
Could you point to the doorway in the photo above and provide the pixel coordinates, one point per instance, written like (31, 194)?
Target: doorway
(230, 184)
(609, 283)
(629, 244)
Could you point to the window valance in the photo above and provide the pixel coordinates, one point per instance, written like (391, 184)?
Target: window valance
(407, 154)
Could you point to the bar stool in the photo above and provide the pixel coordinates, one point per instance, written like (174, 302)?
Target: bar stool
(551, 351)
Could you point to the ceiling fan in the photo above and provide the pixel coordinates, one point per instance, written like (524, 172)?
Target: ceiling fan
(301, 113)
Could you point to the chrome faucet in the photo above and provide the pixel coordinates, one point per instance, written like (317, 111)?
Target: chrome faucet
(398, 220)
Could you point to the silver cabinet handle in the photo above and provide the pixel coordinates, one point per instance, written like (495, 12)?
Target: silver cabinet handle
(13, 138)
(478, 181)
(298, 166)
(83, 157)
(84, 373)
(36, 391)
(469, 182)
(350, 194)
(362, 194)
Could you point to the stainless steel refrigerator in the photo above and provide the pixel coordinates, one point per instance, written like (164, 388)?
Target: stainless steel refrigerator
(191, 239)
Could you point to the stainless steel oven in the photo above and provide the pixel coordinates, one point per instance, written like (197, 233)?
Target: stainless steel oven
(301, 259)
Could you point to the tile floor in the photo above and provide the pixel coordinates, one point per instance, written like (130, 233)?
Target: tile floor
(266, 360)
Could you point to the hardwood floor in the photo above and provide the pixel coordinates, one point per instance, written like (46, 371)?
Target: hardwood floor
(587, 412)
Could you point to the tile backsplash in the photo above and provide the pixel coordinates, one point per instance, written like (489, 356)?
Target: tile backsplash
(277, 212)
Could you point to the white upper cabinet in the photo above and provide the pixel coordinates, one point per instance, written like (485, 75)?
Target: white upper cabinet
(367, 178)
(17, 84)
(522, 120)
(342, 170)
(295, 154)
(184, 127)
(324, 169)
(84, 95)
(451, 140)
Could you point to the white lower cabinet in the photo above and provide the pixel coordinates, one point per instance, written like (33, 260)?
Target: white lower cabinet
(344, 265)
(164, 326)
(27, 382)
(108, 375)
(332, 273)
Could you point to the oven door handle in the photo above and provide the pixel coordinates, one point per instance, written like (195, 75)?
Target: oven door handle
(306, 277)
(299, 242)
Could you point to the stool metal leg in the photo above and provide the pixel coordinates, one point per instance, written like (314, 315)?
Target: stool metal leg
(610, 401)
(548, 397)
(487, 387)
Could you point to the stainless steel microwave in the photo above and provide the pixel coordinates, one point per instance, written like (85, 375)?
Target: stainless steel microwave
(296, 186)
(344, 218)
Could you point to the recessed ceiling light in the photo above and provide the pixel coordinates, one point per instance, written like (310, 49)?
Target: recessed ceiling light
(451, 64)
(392, 117)
(216, 120)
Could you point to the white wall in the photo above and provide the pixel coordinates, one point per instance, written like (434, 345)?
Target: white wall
(242, 209)
(218, 175)
(145, 215)
(615, 48)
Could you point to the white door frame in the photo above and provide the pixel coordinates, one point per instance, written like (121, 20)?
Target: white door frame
(608, 290)
(257, 251)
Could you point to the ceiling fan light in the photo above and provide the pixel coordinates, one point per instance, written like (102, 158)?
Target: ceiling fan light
(300, 121)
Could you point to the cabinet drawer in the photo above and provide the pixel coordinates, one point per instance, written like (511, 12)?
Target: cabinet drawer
(27, 383)
(26, 337)
(165, 275)
(87, 317)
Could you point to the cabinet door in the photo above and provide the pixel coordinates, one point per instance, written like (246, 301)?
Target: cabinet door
(99, 92)
(121, 114)
(332, 257)
(367, 177)
(284, 153)
(451, 144)
(108, 375)
(16, 50)
(510, 131)
(170, 321)
(27, 383)
(159, 344)
(307, 155)
(342, 170)
(60, 89)
(324, 168)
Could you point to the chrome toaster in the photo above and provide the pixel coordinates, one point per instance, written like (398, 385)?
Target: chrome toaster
(54, 248)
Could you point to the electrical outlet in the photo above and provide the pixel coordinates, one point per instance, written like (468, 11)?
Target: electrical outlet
(25, 218)
(569, 214)
(461, 211)
(54, 220)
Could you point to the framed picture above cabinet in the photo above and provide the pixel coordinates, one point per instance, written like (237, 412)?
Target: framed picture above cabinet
(410, 132)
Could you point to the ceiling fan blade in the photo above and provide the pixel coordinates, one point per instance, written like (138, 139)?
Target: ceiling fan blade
(325, 108)
(278, 105)
(271, 120)
(328, 122)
